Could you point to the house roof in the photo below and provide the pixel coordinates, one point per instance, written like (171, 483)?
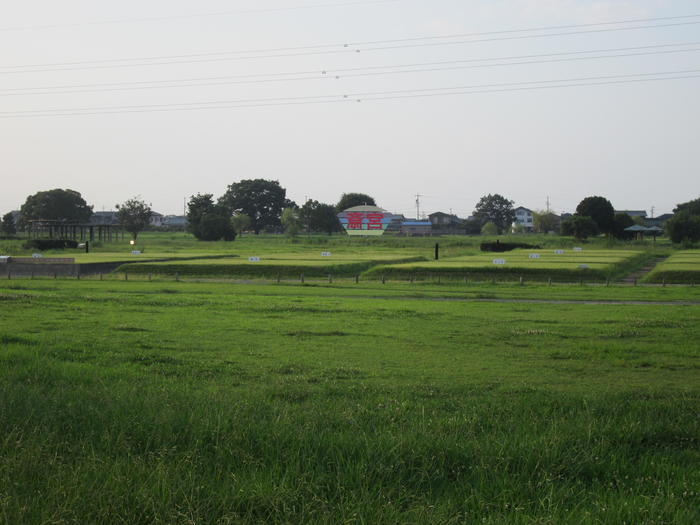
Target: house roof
(416, 223)
(523, 208)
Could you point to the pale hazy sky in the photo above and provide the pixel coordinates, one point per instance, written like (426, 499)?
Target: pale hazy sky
(635, 142)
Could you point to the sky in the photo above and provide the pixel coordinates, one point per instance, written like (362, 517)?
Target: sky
(447, 99)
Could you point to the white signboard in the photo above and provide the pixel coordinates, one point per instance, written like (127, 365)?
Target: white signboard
(559, 252)
(136, 252)
(583, 266)
(499, 261)
(534, 256)
(36, 256)
(253, 259)
(578, 249)
(325, 254)
(4, 258)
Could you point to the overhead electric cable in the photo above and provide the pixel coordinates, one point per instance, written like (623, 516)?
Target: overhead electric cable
(284, 52)
(371, 95)
(330, 74)
(200, 15)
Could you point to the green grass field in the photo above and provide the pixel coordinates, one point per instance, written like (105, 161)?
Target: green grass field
(563, 265)
(181, 402)
(682, 267)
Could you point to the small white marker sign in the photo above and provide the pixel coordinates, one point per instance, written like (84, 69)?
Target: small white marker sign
(559, 252)
(578, 249)
(534, 256)
(583, 266)
(36, 256)
(325, 254)
(499, 261)
(253, 259)
(136, 252)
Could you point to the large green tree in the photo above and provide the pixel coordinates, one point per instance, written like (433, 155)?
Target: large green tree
(622, 221)
(134, 215)
(600, 210)
(319, 217)
(350, 200)
(56, 205)
(579, 227)
(497, 209)
(209, 221)
(260, 199)
(690, 207)
(683, 227)
(8, 226)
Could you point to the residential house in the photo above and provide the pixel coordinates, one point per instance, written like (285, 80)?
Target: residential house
(416, 228)
(523, 217)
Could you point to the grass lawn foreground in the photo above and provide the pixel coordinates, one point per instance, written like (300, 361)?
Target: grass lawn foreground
(185, 402)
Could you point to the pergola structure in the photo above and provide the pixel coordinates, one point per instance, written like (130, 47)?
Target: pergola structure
(42, 229)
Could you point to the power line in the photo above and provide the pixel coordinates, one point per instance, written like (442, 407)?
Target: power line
(200, 15)
(369, 96)
(331, 74)
(286, 52)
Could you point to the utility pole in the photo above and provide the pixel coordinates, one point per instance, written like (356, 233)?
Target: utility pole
(547, 203)
(418, 196)
(652, 212)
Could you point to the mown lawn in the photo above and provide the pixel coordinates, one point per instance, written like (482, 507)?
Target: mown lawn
(175, 402)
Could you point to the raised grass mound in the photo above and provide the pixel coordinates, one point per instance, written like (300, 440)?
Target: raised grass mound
(681, 268)
(558, 265)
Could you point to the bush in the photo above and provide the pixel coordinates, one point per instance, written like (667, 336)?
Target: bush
(684, 227)
(50, 244)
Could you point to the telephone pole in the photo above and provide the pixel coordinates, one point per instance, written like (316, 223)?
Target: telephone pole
(418, 196)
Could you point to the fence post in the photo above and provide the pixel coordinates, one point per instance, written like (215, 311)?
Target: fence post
(635, 281)
(149, 276)
(383, 279)
(357, 278)
(278, 278)
(126, 276)
(549, 282)
(663, 282)
(100, 276)
(521, 281)
(330, 278)
(607, 282)
(177, 276)
(301, 278)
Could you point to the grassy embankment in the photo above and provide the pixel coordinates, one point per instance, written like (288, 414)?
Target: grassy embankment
(143, 402)
(681, 268)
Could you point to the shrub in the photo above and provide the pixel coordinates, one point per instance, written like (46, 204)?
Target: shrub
(50, 244)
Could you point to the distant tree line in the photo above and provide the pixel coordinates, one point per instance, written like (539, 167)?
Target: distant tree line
(261, 205)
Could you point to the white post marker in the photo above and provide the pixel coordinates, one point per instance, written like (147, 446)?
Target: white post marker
(325, 254)
(559, 252)
(578, 249)
(583, 266)
(253, 259)
(534, 256)
(136, 252)
(36, 256)
(499, 261)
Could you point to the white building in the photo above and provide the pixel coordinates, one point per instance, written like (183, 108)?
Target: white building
(523, 217)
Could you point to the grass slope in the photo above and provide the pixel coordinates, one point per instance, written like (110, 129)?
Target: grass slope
(681, 268)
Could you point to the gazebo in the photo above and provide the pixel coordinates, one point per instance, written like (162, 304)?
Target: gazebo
(639, 231)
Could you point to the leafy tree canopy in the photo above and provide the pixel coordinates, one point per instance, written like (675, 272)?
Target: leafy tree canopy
(497, 209)
(622, 221)
(291, 221)
(240, 222)
(545, 221)
(691, 207)
(579, 227)
(56, 205)
(350, 200)
(489, 228)
(134, 215)
(600, 210)
(208, 221)
(683, 227)
(260, 199)
(319, 217)
(8, 224)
